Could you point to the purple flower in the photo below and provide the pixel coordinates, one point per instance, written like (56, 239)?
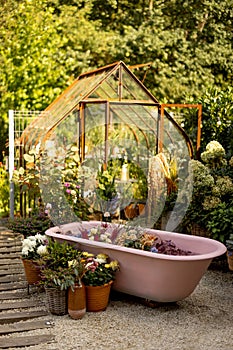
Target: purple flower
(154, 250)
(68, 191)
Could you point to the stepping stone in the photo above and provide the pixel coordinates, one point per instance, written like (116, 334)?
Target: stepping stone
(23, 304)
(25, 326)
(25, 341)
(21, 316)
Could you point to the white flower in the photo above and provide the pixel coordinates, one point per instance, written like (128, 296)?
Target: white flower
(34, 246)
(32, 238)
(89, 264)
(42, 250)
(25, 251)
(100, 260)
(103, 236)
(29, 243)
(94, 231)
(40, 238)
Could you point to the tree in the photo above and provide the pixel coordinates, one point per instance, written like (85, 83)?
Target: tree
(217, 119)
(32, 67)
(45, 44)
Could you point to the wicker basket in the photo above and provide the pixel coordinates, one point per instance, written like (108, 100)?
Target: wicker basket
(98, 297)
(197, 230)
(56, 301)
(32, 271)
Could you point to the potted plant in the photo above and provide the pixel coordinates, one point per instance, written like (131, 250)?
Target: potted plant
(58, 275)
(77, 290)
(37, 222)
(33, 249)
(98, 279)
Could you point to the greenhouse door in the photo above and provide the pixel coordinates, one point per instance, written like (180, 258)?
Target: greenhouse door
(94, 127)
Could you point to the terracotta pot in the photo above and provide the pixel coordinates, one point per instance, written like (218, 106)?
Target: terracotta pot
(131, 211)
(77, 301)
(32, 271)
(98, 297)
(56, 301)
(230, 260)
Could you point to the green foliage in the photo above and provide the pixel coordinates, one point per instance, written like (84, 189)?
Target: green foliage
(217, 118)
(99, 278)
(220, 221)
(229, 243)
(62, 267)
(61, 278)
(59, 254)
(4, 191)
(45, 44)
(212, 197)
(38, 222)
(106, 185)
(28, 178)
(139, 188)
(100, 271)
(72, 183)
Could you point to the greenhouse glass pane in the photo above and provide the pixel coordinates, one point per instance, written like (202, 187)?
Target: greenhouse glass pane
(142, 116)
(131, 89)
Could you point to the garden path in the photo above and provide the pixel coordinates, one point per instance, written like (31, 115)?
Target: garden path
(19, 313)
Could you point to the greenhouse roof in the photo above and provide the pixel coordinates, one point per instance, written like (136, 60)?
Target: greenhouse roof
(114, 82)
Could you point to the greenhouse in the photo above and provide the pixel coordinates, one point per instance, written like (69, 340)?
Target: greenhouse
(128, 149)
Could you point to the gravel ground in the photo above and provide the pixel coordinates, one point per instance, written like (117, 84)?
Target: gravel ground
(203, 321)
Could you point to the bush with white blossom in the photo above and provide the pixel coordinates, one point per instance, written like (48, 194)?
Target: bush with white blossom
(214, 155)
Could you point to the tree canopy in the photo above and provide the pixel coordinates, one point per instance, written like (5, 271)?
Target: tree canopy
(45, 44)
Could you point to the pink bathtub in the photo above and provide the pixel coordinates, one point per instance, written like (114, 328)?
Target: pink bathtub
(158, 277)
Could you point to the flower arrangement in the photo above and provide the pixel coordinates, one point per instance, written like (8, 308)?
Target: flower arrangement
(131, 237)
(103, 232)
(34, 247)
(62, 278)
(140, 239)
(99, 270)
(62, 267)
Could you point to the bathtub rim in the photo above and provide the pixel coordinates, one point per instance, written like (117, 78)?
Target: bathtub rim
(220, 248)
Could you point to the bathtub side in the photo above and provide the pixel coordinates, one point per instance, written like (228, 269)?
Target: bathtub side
(149, 275)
